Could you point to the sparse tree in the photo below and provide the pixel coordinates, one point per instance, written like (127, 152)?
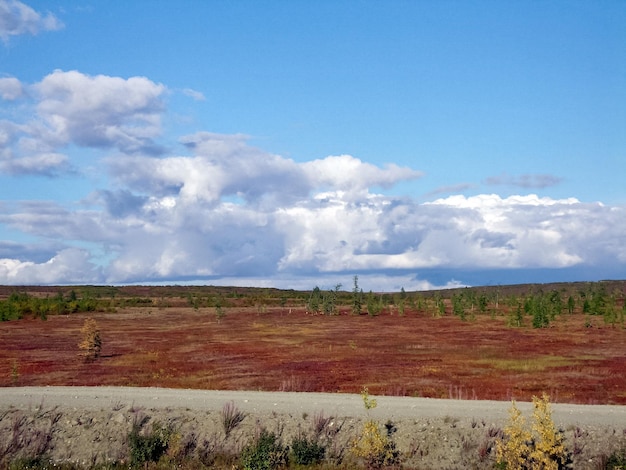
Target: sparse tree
(315, 300)
(357, 297)
(91, 343)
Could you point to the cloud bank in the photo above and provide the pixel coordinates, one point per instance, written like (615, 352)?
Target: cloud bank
(219, 210)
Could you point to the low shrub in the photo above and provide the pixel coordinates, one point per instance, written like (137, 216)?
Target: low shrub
(616, 461)
(305, 451)
(376, 449)
(231, 417)
(148, 447)
(265, 453)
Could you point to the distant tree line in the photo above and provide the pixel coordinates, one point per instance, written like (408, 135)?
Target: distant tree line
(523, 306)
(19, 304)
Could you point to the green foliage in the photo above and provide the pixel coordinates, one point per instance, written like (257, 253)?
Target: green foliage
(9, 311)
(440, 305)
(220, 312)
(329, 300)
(516, 318)
(19, 304)
(148, 447)
(305, 451)
(538, 307)
(357, 297)
(616, 461)
(458, 306)
(374, 304)
(315, 300)
(265, 453)
(483, 301)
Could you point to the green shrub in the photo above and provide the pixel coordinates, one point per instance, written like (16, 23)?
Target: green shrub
(616, 461)
(264, 453)
(148, 447)
(306, 451)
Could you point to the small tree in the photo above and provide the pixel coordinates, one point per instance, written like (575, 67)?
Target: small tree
(91, 343)
(543, 448)
(549, 451)
(513, 452)
(357, 297)
(378, 450)
(315, 300)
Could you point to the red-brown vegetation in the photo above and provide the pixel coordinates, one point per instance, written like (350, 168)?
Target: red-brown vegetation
(577, 359)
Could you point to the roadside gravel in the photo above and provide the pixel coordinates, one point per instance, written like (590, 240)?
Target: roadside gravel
(89, 398)
(432, 433)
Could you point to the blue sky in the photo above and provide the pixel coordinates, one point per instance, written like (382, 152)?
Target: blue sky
(417, 144)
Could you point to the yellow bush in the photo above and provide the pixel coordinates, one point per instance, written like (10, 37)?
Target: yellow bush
(515, 450)
(549, 452)
(541, 449)
(377, 449)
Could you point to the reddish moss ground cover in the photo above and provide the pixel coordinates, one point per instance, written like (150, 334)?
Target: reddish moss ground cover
(285, 349)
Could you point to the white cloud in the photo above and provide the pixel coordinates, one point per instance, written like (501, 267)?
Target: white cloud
(347, 173)
(158, 238)
(49, 164)
(204, 216)
(229, 210)
(101, 111)
(223, 165)
(18, 18)
(69, 266)
(194, 94)
(10, 88)
(73, 109)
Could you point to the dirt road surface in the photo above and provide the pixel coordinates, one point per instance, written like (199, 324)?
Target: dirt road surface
(297, 403)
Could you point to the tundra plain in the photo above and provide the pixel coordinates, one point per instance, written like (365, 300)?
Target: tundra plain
(418, 345)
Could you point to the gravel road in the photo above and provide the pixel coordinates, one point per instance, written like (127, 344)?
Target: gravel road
(92, 398)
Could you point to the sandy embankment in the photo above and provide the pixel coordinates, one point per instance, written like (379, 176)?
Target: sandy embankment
(93, 422)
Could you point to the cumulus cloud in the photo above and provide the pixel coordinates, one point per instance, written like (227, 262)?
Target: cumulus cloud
(101, 111)
(10, 88)
(17, 18)
(229, 210)
(69, 266)
(347, 173)
(73, 109)
(173, 219)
